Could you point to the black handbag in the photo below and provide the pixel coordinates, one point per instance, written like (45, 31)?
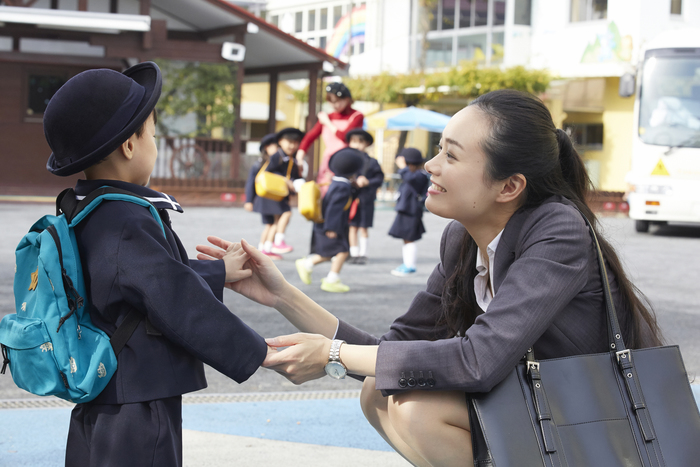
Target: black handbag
(621, 408)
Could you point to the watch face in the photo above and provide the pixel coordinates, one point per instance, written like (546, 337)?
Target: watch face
(336, 370)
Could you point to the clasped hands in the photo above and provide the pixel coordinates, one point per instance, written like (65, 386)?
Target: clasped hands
(299, 357)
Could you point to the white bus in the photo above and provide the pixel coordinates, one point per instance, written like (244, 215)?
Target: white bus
(665, 175)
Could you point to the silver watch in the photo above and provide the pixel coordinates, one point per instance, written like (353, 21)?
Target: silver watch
(335, 368)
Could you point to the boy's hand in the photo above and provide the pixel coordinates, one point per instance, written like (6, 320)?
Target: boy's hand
(300, 156)
(401, 162)
(248, 207)
(362, 181)
(235, 259)
(331, 234)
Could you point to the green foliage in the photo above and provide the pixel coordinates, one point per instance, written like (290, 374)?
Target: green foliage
(466, 81)
(206, 89)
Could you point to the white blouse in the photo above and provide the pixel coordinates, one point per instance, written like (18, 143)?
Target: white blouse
(483, 282)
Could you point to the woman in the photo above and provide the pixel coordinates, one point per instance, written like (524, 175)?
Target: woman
(332, 127)
(518, 270)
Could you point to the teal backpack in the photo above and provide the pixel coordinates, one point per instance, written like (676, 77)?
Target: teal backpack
(50, 344)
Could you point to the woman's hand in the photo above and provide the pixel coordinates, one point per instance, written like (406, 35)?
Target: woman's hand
(301, 154)
(265, 284)
(323, 118)
(303, 359)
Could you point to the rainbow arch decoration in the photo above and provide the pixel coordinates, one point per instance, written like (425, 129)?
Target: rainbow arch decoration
(346, 34)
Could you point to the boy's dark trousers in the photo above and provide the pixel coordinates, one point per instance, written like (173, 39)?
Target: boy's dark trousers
(135, 435)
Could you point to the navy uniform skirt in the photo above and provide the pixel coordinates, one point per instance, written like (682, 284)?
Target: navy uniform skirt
(269, 207)
(364, 217)
(407, 227)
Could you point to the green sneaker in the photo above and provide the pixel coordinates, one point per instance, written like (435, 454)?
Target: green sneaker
(304, 274)
(335, 287)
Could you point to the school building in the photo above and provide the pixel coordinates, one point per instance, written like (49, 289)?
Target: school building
(586, 45)
(45, 42)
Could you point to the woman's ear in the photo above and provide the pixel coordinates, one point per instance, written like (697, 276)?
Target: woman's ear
(511, 188)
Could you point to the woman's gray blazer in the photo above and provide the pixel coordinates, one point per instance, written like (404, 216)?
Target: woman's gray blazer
(548, 293)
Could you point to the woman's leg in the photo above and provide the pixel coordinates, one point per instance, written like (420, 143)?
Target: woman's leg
(427, 428)
(376, 410)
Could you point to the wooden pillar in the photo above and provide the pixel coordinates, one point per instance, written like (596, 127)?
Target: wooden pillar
(272, 113)
(239, 37)
(312, 118)
(82, 5)
(145, 10)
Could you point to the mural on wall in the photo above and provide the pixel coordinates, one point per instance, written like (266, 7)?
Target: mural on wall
(608, 47)
(349, 30)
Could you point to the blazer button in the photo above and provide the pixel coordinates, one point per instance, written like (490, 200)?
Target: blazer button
(431, 382)
(421, 382)
(411, 382)
(403, 383)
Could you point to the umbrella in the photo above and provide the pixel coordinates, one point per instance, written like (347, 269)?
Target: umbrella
(407, 118)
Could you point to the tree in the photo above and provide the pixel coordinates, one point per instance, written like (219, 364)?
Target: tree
(205, 89)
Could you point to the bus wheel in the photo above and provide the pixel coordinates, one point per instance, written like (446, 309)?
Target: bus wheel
(641, 226)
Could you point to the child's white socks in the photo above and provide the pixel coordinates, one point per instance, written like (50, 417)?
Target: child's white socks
(355, 251)
(279, 238)
(410, 252)
(267, 247)
(332, 277)
(363, 245)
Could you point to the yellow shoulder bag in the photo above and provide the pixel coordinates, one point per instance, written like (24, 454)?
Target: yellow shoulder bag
(271, 185)
(310, 202)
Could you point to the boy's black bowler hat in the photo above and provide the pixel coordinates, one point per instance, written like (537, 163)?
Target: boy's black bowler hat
(346, 162)
(294, 133)
(361, 133)
(95, 112)
(268, 140)
(412, 156)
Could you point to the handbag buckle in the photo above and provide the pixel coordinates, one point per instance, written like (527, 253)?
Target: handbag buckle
(533, 366)
(624, 354)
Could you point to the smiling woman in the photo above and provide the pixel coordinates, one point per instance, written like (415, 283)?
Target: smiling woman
(518, 270)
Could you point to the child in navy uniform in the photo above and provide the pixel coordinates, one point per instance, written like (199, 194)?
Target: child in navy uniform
(284, 163)
(329, 239)
(408, 224)
(102, 122)
(369, 179)
(268, 147)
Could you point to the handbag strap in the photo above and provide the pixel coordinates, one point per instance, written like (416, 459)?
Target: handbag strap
(289, 167)
(263, 167)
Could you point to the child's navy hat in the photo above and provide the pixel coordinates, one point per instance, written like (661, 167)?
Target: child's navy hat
(361, 133)
(268, 140)
(412, 156)
(290, 133)
(346, 162)
(338, 90)
(95, 112)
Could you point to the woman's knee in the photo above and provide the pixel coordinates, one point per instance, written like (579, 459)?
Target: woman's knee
(372, 401)
(417, 414)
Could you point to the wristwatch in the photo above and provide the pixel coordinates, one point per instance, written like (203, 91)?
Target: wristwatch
(335, 368)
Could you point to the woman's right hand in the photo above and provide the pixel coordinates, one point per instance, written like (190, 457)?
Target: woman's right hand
(301, 154)
(265, 285)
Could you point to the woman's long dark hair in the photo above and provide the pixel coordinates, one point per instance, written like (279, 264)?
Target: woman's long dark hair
(523, 140)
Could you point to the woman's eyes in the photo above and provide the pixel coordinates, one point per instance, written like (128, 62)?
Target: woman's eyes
(438, 148)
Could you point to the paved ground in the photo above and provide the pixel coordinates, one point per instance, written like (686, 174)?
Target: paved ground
(268, 419)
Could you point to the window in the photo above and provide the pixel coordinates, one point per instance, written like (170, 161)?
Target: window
(322, 42)
(312, 20)
(298, 20)
(361, 46)
(499, 12)
(434, 13)
(41, 90)
(481, 12)
(275, 19)
(448, 14)
(586, 136)
(676, 7)
(337, 14)
(465, 13)
(523, 10)
(324, 18)
(439, 53)
(471, 48)
(588, 10)
(496, 48)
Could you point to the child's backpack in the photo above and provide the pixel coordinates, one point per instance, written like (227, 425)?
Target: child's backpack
(50, 344)
(310, 202)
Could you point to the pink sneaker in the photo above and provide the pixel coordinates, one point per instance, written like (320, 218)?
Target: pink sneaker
(273, 256)
(281, 248)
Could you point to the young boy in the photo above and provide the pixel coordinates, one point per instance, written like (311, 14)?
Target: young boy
(329, 240)
(102, 122)
(283, 163)
(408, 224)
(267, 208)
(369, 179)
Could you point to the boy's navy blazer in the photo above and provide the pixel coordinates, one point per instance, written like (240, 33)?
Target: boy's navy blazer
(374, 174)
(549, 296)
(129, 264)
(335, 206)
(250, 181)
(279, 164)
(412, 191)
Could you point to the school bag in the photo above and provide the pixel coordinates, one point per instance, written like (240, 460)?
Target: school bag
(50, 343)
(310, 202)
(271, 185)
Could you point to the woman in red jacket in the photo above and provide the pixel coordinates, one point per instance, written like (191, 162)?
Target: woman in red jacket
(333, 128)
